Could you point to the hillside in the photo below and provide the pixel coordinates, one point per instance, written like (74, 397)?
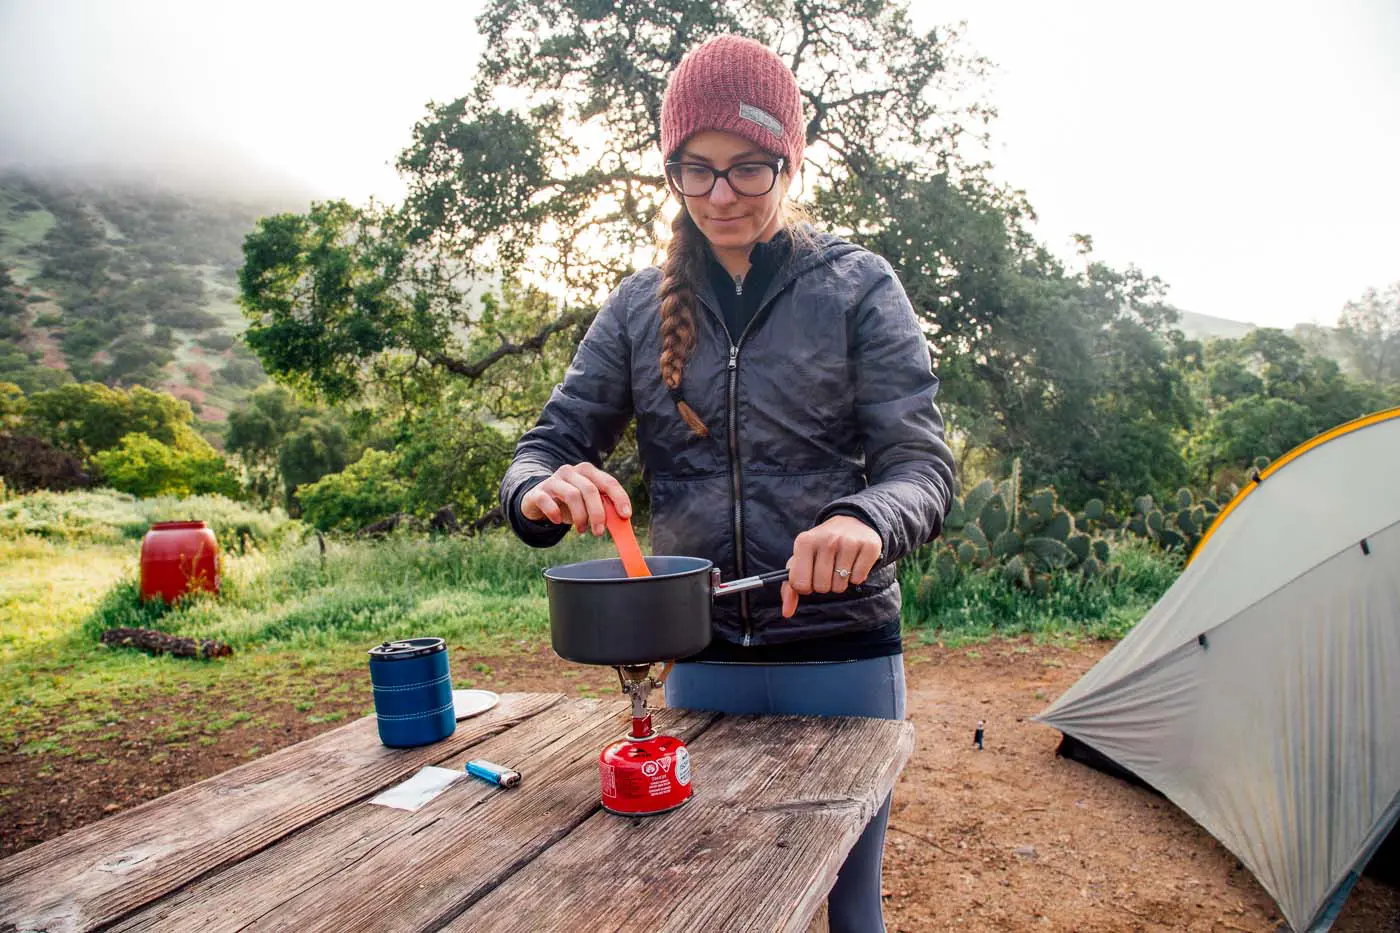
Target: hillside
(1205, 327)
(126, 284)
(1317, 338)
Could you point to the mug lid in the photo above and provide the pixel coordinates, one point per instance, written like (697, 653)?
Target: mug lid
(407, 648)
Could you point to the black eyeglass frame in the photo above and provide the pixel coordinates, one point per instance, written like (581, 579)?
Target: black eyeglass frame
(716, 174)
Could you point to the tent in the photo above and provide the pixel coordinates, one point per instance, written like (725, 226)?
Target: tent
(1261, 694)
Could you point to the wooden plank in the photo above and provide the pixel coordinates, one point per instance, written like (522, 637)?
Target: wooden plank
(779, 803)
(98, 873)
(373, 868)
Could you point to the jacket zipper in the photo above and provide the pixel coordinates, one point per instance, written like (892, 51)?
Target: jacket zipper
(737, 485)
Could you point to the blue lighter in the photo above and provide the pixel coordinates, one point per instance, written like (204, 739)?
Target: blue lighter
(496, 774)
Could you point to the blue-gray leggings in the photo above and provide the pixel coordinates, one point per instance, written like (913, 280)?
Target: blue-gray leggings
(849, 688)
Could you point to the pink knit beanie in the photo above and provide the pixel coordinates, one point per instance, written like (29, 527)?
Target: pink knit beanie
(740, 86)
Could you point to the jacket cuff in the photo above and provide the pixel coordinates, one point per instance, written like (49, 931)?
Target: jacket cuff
(535, 534)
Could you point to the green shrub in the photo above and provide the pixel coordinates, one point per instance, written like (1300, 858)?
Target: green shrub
(143, 466)
(451, 458)
(364, 492)
(91, 417)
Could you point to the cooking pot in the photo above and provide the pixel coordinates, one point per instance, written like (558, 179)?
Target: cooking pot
(599, 615)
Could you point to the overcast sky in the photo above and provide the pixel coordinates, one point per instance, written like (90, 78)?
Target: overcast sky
(1245, 152)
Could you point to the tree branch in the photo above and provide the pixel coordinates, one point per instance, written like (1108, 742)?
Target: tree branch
(802, 14)
(860, 95)
(475, 368)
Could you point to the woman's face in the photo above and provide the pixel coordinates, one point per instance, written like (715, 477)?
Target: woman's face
(729, 220)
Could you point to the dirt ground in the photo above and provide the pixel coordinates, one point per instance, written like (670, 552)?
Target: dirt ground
(1009, 838)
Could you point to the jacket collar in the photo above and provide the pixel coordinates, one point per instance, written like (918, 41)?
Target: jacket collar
(802, 258)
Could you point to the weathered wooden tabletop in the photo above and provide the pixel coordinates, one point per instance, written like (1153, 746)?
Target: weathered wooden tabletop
(290, 841)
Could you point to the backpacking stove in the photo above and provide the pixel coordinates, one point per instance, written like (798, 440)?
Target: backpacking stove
(645, 773)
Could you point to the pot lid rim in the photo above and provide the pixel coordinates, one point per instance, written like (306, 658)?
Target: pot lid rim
(554, 573)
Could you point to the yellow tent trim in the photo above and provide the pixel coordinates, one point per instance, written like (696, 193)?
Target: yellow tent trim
(1281, 462)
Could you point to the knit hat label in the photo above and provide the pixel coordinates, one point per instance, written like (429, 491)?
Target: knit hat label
(762, 118)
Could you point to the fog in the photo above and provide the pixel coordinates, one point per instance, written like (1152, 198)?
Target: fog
(257, 96)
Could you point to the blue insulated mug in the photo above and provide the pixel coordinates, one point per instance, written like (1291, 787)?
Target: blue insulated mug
(412, 691)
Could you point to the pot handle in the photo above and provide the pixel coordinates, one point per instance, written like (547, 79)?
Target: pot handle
(745, 583)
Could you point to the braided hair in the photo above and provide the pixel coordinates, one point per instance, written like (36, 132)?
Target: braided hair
(685, 264)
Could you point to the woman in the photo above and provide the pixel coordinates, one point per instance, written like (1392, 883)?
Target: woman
(785, 417)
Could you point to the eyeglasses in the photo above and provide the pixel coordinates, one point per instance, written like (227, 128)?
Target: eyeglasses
(750, 179)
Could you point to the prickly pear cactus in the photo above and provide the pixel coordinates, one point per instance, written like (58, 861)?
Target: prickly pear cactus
(1181, 526)
(995, 518)
(947, 567)
(990, 528)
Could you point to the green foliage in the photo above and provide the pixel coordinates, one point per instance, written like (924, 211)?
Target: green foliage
(362, 593)
(476, 175)
(451, 458)
(145, 467)
(1266, 393)
(327, 293)
(1080, 377)
(994, 519)
(255, 434)
(365, 491)
(500, 190)
(319, 446)
(90, 417)
(444, 455)
(26, 369)
(104, 516)
(12, 405)
(284, 443)
(13, 313)
(464, 589)
(343, 305)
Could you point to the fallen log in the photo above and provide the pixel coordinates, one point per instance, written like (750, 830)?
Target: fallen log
(153, 642)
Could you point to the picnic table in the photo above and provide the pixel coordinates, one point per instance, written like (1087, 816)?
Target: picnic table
(291, 841)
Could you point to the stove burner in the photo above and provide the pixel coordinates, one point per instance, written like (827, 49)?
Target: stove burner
(645, 773)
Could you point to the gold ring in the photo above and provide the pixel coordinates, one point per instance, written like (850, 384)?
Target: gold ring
(842, 573)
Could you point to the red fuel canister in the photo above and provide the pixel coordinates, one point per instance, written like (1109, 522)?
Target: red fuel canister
(178, 558)
(641, 777)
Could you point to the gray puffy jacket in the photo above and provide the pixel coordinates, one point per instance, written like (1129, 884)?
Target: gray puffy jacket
(825, 404)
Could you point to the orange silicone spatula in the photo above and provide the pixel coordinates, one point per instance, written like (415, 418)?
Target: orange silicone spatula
(626, 542)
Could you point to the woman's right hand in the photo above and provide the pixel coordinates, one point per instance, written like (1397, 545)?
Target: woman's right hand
(573, 494)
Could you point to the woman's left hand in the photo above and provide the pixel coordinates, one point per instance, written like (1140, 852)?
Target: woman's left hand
(839, 552)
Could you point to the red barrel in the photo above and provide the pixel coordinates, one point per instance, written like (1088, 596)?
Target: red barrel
(177, 558)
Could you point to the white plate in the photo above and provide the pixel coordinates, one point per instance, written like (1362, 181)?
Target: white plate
(467, 703)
